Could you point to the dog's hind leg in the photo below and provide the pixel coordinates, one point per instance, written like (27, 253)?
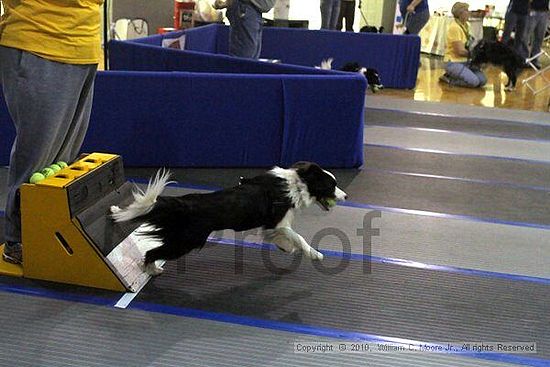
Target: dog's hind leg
(170, 250)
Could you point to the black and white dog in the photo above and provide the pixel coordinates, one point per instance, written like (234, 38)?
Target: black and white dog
(269, 201)
(500, 54)
(372, 76)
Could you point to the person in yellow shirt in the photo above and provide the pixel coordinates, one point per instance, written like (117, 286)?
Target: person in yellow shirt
(49, 52)
(457, 70)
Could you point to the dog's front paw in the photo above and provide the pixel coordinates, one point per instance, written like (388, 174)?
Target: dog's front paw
(115, 209)
(314, 254)
(509, 88)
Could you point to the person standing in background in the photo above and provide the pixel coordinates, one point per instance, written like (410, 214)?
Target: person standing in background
(330, 10)
(538, 23)
(517, 18)
(415, 13)
(49, 52)
(245, 18)
(347, 12)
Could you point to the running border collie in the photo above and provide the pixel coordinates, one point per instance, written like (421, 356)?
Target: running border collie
(269, 201)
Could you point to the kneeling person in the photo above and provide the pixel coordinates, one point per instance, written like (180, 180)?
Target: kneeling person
(457, 70)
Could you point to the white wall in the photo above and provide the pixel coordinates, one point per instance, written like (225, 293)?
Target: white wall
(439, 5)
(309, 10)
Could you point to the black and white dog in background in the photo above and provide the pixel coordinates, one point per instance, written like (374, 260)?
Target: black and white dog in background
(371, 29)
(269, 201)
(372, 76)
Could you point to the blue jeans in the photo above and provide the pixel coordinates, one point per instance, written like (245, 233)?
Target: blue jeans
(416, 21)
(519, 23)
(538, 21)
(464, 76)
(245, 35)
(330, 9)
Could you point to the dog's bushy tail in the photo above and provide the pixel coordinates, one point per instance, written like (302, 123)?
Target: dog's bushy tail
(327, 64)
(144, 201)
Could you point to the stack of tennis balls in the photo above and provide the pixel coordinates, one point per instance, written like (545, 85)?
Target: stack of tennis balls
(47, 172)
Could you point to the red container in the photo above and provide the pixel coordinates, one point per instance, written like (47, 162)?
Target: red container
(163, 30)
(183, 14)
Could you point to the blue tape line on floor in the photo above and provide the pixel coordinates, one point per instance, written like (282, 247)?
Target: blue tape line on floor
(435, 151)
(458, 132)
(400, 262)
(444, 215)
(459, 179)
(259, 323)
(40, 292)
(323, 332)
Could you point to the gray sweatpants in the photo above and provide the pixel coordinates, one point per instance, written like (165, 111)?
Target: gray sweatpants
(50, 104)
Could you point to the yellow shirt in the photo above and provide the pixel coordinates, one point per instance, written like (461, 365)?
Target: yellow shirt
(66, 31)
(455, 33)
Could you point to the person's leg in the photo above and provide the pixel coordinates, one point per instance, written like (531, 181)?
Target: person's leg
(326, 11)
(521, 38)
(539, 29)
(49, 103)
(417, 21)
(334, 14)
(350, 15)
(509, 25)
(482, 79)
(460, 75)
(246, 30)
(341, 15)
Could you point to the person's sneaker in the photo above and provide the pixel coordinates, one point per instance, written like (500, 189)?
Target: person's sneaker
(13, 253)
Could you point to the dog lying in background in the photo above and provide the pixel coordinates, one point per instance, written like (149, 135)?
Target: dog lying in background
(372, 76)
(499, 54)
(371, 29)
(269, 201)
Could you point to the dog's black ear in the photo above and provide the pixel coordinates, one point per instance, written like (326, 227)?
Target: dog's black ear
(307, 169)
(302, 165)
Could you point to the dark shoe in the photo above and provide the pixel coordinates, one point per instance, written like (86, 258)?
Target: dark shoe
(445, 79)
(13, 253)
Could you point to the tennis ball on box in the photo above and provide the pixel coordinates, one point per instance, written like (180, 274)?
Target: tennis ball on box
(62, 164)
(36, 177)
(47, 172)
(55, 167)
